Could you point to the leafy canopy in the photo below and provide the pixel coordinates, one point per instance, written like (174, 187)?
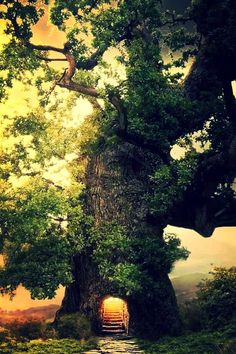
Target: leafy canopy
(139, 98)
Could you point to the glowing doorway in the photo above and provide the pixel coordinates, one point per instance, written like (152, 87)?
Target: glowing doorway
(114, 316)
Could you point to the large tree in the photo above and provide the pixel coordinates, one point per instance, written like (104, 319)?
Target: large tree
(142, 114)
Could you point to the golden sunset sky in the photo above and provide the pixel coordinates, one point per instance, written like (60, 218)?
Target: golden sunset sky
(218, 250)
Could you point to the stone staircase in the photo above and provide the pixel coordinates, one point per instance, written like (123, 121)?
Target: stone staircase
(113, 323)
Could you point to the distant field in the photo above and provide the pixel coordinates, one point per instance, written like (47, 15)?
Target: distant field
(186, 286)
(41, 313)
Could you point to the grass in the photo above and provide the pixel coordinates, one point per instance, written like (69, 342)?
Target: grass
(218, 342)
(57, 346)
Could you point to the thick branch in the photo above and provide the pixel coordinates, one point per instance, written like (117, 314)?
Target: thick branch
(92, 61)
(46, 48)
(71, 69)
(50, 182)
(230, 102)
(121, 112)
(139, 141)
(73, 86)
(202, 208)
(50, 59)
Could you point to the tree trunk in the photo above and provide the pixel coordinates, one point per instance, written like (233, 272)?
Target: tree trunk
(117, 181)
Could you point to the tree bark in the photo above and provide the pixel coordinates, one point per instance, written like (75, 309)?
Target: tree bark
(117, 181)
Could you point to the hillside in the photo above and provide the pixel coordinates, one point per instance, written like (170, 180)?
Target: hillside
(32, 313)
(186, 286)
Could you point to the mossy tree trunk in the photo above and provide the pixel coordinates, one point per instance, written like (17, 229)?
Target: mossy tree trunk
(117, 182)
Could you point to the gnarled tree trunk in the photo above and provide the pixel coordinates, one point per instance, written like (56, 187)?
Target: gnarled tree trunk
(117, 181)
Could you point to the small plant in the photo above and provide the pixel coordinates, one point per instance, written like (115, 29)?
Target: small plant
(4, 334)
(192, 315)
(61, 346)
(49, 332)
(26, 330)
(75, 326)
(227, 348)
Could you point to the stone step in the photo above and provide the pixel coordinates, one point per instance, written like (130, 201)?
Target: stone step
(112, 322)
(112, 325)
(120, 330)
(110, 316)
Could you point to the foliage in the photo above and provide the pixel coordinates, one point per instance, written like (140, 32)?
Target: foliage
(4, 334)
(27, 330)
(61, 346)
(193, 316)
(171, 182)
(124, 256)
(202, 342)
(217, 297)
(75, 326)
(214, 305)
(44, 219)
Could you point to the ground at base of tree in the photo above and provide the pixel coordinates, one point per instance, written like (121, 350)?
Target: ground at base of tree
(59, 346)
(222, 341)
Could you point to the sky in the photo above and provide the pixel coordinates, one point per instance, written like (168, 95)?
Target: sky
(218, 250)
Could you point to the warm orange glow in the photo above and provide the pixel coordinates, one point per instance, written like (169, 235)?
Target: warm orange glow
(114, 316)
(113, 304)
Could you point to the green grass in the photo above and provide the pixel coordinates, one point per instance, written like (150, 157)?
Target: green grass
(204, 342)
(57, 346)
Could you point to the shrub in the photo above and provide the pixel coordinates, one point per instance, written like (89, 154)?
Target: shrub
(205, 342)
(192, 316)
(4, 334)
(26, 330)
(49, 332)
(75, 326)
(217, 297)
(229, 348)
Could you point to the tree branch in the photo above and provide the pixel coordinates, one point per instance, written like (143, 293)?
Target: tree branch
(46, 48)
(139, 141)
(50, 59)
(92, 61)
(230, 102)
(73, 86)
(49, 182)
(202, 207)
(116, 102)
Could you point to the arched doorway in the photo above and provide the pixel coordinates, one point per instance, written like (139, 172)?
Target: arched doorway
(114, 315)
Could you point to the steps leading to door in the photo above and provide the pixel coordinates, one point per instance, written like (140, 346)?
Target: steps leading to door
(113, 323)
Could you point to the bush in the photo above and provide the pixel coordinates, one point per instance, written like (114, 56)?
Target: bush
(229, 348)
(26, 330)
(4, 334)
(192, 316)
(217, 297)
(75, 326)
(208, 342)
(49, 332)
